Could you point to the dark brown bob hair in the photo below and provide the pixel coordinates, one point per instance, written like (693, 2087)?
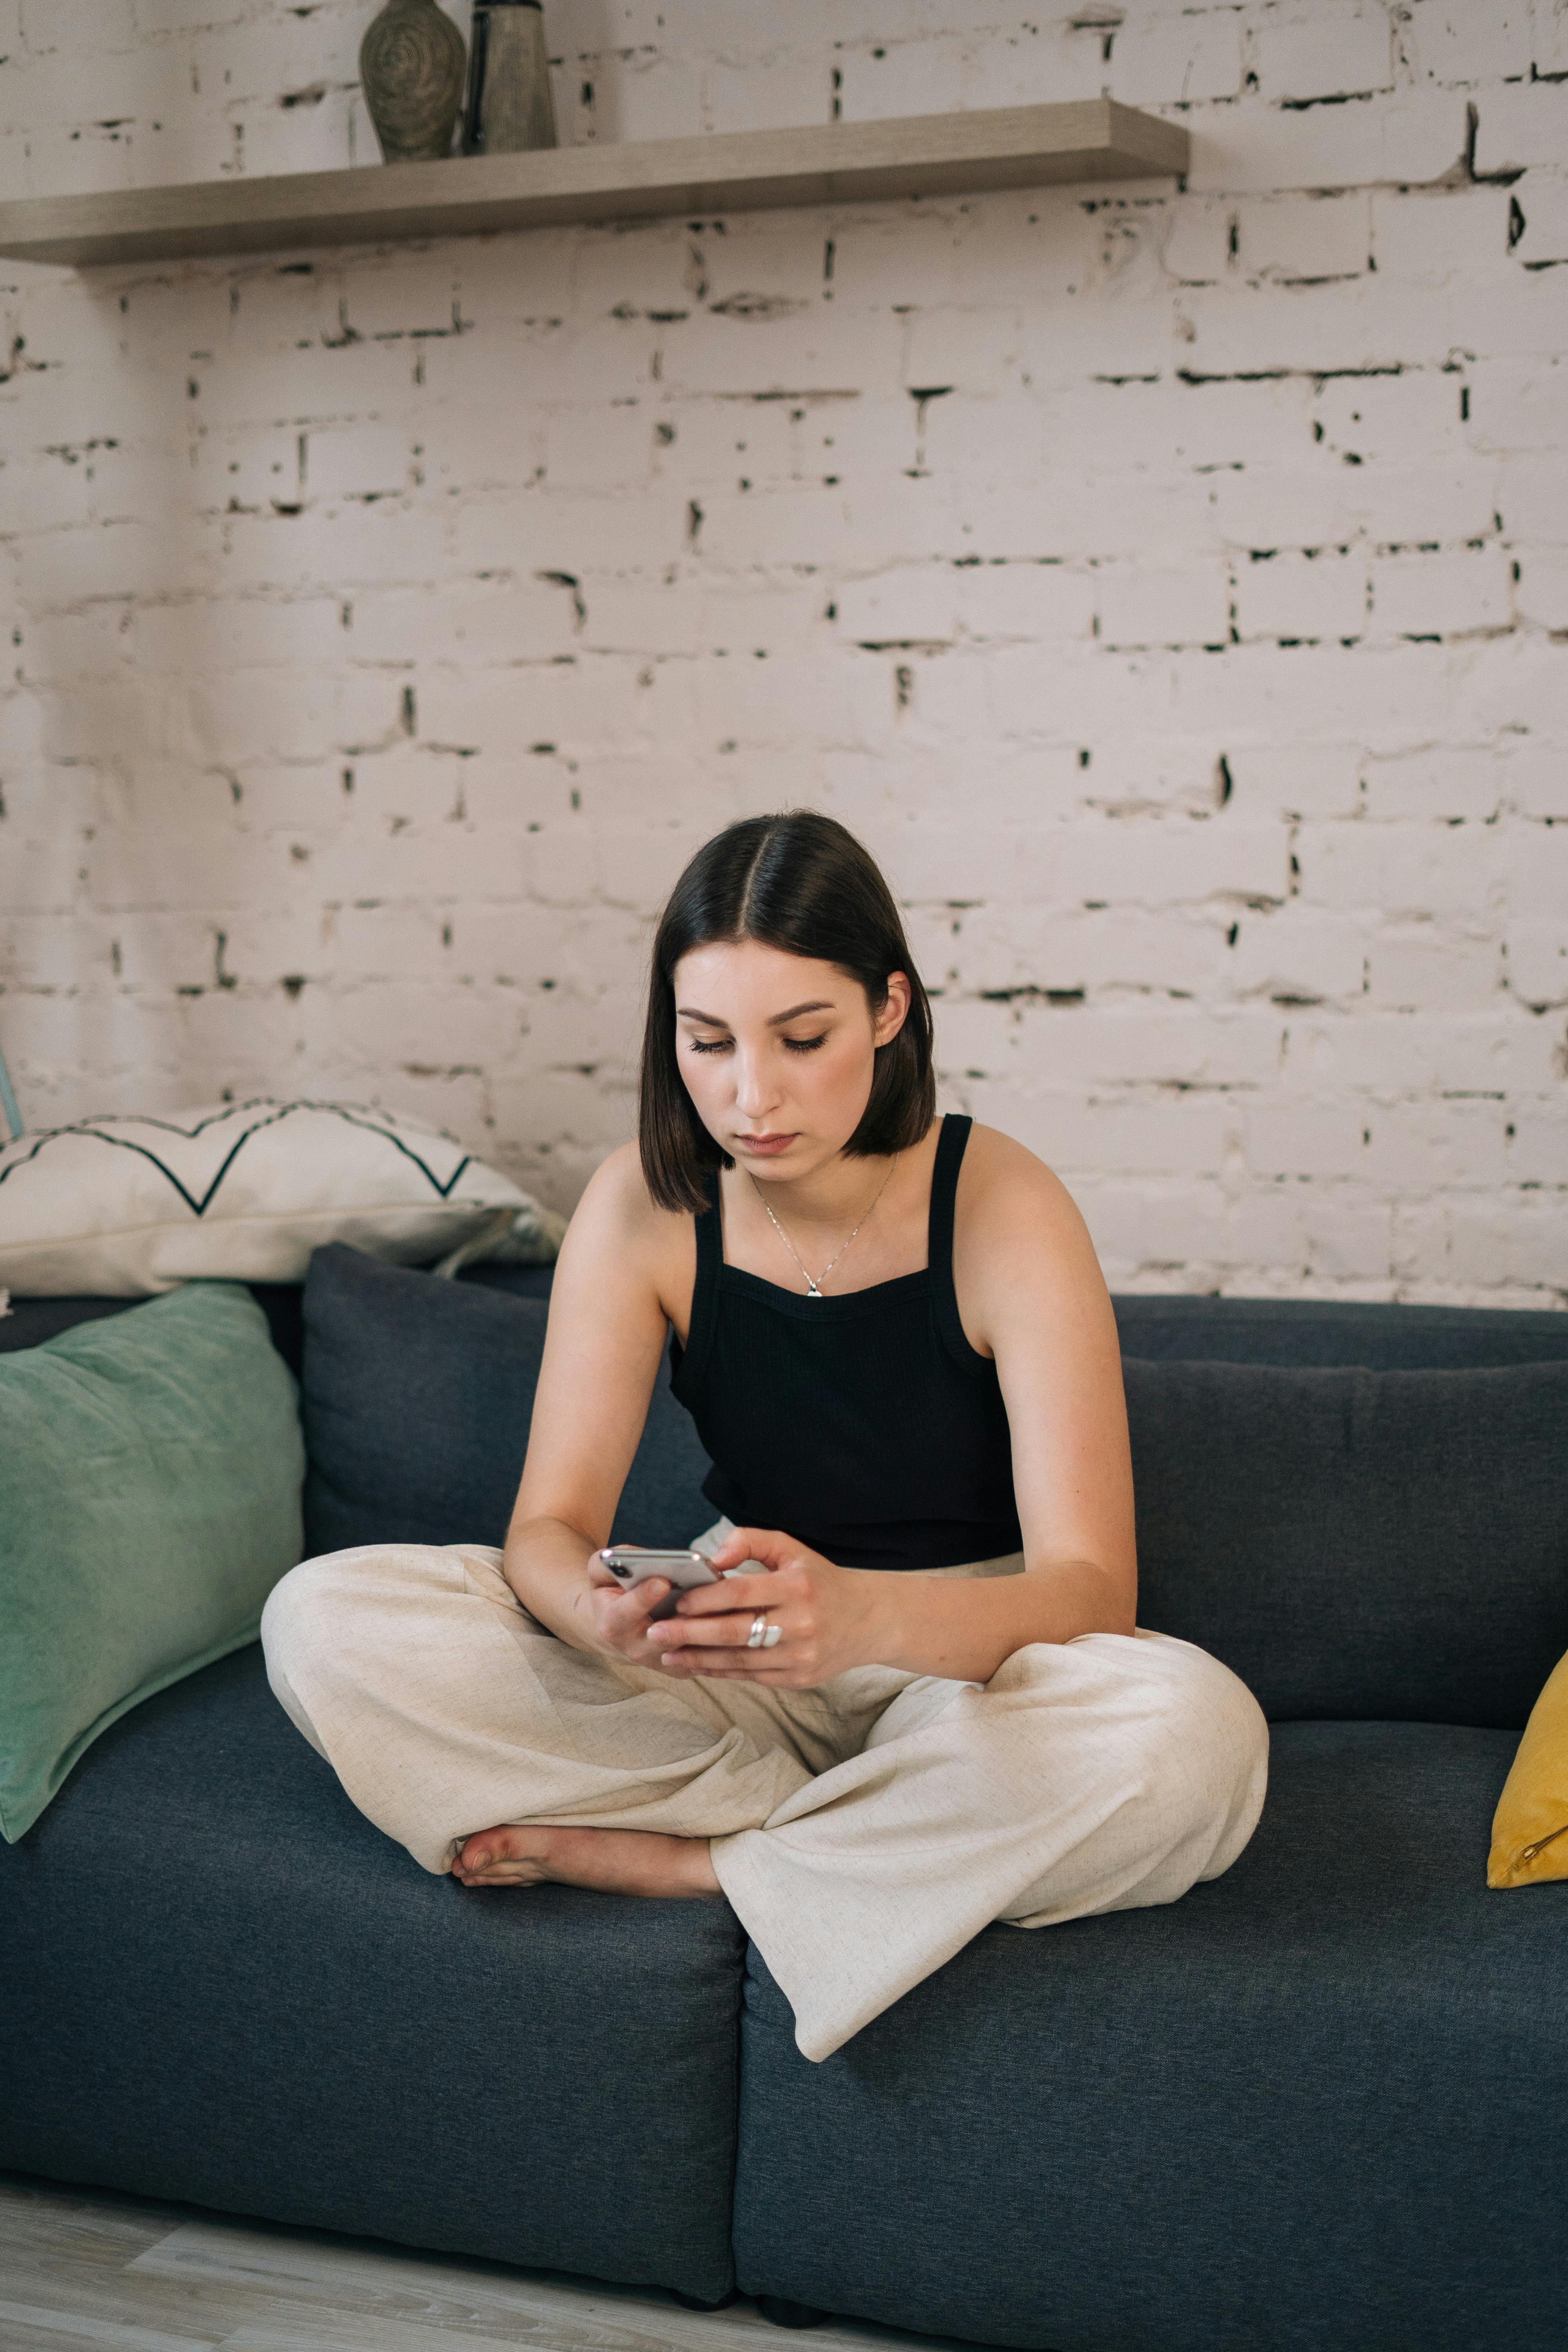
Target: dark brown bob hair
(800, 882)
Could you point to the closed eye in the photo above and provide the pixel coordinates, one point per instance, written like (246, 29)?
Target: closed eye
(722, 1044)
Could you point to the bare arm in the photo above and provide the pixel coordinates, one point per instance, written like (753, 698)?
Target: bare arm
(602, 1354)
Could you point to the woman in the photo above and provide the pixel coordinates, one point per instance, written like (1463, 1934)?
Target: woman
(924, 1704)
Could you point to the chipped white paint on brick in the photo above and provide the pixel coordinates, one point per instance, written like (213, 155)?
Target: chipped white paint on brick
(1172, 587)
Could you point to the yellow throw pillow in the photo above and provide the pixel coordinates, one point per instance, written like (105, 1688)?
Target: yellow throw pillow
(1530, 1828)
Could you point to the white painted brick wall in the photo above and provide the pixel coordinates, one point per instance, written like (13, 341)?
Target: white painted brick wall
(1171, 585)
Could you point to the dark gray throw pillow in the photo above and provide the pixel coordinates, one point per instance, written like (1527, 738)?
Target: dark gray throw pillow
(1358, 1544)
(416, 1395)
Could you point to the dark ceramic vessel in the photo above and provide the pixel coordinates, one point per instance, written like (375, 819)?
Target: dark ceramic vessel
(510, 107)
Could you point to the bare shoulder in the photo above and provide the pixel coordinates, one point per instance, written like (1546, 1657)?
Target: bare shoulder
(1022, 1258)
(1004, 1187)
(620, 1238)
(615, 1195)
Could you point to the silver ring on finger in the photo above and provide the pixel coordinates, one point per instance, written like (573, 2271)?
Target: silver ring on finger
(757, 1639)
(774, 1634)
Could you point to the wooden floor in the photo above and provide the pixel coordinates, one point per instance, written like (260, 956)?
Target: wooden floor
(85, 2267)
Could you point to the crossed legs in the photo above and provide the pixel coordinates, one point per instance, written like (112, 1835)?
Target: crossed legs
(864, 1833)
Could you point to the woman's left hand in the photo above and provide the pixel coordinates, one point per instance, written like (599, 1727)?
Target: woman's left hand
(824, 1614)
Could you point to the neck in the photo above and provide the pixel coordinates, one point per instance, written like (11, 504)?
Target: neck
(832, 1195)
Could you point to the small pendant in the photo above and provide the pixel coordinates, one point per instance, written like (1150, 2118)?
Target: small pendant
(811, 1289)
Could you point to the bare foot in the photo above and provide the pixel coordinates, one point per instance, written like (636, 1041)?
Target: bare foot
(615, 1862)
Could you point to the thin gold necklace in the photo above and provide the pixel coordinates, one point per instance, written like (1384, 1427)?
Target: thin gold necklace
(813, 1283)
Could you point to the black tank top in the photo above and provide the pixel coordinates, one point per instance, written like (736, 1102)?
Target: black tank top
(862, 1422)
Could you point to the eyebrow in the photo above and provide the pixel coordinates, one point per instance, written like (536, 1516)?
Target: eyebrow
(711, 1020)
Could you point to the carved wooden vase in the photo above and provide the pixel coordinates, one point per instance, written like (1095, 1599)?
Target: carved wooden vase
(412, 63)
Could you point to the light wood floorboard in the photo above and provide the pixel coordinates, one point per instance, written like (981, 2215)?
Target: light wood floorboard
(87, 2267)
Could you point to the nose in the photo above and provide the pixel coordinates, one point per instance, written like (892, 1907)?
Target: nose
(754, 1093)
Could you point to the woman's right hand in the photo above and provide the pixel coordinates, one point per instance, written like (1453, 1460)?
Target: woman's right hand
(619, 1620)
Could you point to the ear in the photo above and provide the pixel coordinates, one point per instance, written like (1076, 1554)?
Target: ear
(895, 1012)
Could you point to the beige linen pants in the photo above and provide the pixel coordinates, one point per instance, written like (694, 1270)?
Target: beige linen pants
(864, 1831)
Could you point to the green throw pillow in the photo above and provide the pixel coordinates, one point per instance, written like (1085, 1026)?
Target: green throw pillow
(150, 1475)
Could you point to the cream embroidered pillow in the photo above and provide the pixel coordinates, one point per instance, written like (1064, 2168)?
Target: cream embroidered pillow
(123, 1207)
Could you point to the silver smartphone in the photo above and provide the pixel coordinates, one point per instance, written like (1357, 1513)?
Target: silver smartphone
(685, 1570)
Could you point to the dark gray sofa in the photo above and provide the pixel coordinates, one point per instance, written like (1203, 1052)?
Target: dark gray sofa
(1317, 2103)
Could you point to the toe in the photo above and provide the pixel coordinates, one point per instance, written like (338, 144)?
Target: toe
(485, 1848)
(506, 1874)
(502, 1856)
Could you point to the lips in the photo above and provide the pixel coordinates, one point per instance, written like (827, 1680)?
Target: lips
(764, 1146)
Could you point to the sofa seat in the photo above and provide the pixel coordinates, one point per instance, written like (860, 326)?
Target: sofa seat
(219, 1983)
(1318, 2102)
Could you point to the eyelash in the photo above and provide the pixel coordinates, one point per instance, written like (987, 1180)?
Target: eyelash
(791, 1044)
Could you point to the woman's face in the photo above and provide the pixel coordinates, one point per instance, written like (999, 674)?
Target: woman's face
(776, 1051)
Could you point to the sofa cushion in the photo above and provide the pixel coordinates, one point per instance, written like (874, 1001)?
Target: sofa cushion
(150, 1481)
(218, 1982)
(417, 1398)
(1260, 2116)
(1382, 1337)
(1356, 1543)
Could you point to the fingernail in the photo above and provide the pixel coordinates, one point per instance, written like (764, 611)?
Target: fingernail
(475, 1861)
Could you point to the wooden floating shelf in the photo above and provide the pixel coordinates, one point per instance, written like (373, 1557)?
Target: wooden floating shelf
(835, 163)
